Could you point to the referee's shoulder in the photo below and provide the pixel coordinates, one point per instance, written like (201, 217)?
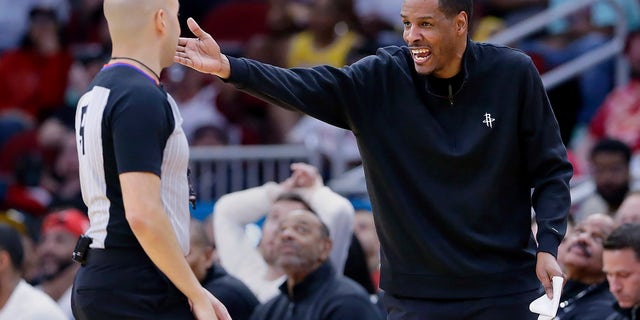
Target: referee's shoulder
(138, 90)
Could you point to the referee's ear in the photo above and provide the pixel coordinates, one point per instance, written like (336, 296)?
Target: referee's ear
(159, 20)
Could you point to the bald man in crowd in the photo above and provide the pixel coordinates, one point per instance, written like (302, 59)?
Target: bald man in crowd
(135, 185)
(629, 211)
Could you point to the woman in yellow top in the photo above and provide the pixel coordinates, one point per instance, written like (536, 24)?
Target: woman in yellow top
(329, 38)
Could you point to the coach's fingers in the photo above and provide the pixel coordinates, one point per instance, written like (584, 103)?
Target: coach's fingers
(196, 30)
(547, 284)
(183, 61)
(546, 268)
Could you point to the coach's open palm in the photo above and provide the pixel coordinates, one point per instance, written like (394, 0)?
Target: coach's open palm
(201, 53)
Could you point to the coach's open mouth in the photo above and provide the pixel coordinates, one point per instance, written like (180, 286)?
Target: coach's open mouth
(421, 55)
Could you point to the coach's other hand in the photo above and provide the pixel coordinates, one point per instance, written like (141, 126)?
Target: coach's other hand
(547, 267)
(202, 53)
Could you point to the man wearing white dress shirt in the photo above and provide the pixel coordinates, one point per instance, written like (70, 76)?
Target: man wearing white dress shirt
(18, 299)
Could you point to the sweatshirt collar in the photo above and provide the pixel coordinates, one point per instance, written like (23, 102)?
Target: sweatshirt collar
(310, 284)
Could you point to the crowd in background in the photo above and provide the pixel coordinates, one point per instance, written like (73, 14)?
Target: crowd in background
(51, 49)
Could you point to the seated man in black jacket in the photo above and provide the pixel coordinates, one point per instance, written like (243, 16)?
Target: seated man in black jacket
(312, 290)
(621, 261)
(232, 292)
(586, 294)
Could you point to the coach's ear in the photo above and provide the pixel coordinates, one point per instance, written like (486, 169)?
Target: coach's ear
(462, 23)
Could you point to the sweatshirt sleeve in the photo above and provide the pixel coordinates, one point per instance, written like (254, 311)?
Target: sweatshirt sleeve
(321, 92)
(547, 166)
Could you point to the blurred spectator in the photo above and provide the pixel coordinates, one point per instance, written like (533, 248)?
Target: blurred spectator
(25, 191)
(209, 135)
(585, 294)
(332, 38)
(303, 190)
(234, 294)
(302, 247)
(65, 182)
(233, 40)
(381, 19)
(18, 299)
(14, 16)
(609, 166)
(87, 29)
(196, 96)
(17, 220)
(621, 261)
(60, 232)
(84, 68)
(487, 27)
(511, 12)
(283, 19)
(260, 122)
(33, 78)
(355, 268)
(619, 115)
(196, 9)
(579, 34)
(337, 145)
(28, 161)
(629, 211)
(365, 229)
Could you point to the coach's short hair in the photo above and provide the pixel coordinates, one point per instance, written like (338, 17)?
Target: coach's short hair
(626, 236)
(453, 7)
(11, 242)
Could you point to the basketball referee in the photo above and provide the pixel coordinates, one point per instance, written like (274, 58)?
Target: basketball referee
(133, 170)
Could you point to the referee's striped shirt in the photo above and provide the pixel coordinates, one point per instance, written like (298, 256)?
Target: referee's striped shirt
(127, 123)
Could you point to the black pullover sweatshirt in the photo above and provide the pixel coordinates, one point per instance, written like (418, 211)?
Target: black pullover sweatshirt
(452, 172)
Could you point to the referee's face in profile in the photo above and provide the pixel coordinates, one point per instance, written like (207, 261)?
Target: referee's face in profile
(173, 31)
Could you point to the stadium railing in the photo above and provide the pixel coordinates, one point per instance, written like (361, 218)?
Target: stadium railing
(216, 171)
(558, 75)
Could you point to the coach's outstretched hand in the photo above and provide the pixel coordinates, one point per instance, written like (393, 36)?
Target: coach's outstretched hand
(202, 53)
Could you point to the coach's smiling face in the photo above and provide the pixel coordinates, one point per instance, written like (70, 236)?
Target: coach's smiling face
(437, 41)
